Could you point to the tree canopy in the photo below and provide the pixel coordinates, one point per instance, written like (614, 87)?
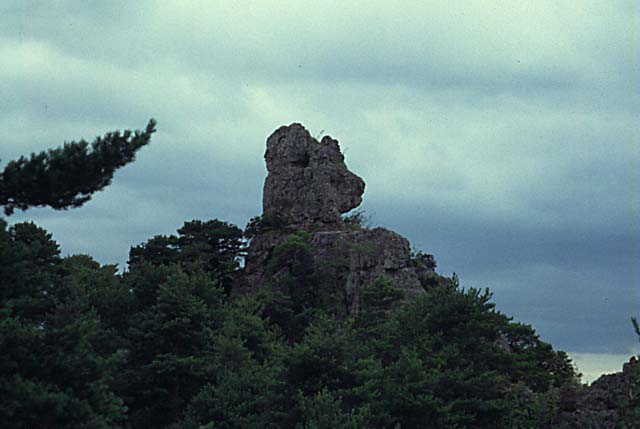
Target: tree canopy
(162, 345)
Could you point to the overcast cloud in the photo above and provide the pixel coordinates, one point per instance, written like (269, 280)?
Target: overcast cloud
(501, 136)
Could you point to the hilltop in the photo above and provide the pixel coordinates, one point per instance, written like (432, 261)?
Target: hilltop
(306, 319)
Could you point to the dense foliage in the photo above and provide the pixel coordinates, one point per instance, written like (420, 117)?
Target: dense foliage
(214, 247)
(68, 175)
(163, 345)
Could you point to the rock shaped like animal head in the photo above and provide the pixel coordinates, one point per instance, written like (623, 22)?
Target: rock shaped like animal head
(308, 181)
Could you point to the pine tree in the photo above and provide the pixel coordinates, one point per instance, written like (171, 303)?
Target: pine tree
(55, 366)
(68, 175)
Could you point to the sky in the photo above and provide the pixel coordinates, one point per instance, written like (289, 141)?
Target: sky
(500, 136)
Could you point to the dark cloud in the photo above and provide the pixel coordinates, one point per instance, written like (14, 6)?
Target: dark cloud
(578, 287)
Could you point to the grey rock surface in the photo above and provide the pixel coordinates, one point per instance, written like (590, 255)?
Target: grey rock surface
(307, 179)
(367, 255)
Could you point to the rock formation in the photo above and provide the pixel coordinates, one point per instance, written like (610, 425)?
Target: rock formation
(308, 181)
(308, 187)
(611, 401)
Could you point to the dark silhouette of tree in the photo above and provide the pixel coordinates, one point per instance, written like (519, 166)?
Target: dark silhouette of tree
(68, 175)
(55, 364)
(213, 246)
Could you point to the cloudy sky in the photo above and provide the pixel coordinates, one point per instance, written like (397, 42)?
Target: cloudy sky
(501, 136)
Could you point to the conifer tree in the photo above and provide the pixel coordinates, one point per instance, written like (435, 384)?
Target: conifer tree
(68, 175)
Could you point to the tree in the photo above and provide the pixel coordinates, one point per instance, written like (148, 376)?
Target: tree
(55, 370)
(213, 246)
(190, 349)
(29, 268)
(68, 175)
(170, 346)
(294, 293)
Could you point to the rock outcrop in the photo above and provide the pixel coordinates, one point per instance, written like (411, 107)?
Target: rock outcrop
(611, 401)
(308, 188)
(308, 181)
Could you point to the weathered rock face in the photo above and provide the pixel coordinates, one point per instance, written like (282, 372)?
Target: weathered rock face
(367, 255)
(610, 401)
(308, 181)
(309, 187)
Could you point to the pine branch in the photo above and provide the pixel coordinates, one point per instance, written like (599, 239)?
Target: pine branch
(68, 175)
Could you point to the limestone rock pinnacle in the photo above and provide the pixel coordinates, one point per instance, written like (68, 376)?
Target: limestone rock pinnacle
(307, 180)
